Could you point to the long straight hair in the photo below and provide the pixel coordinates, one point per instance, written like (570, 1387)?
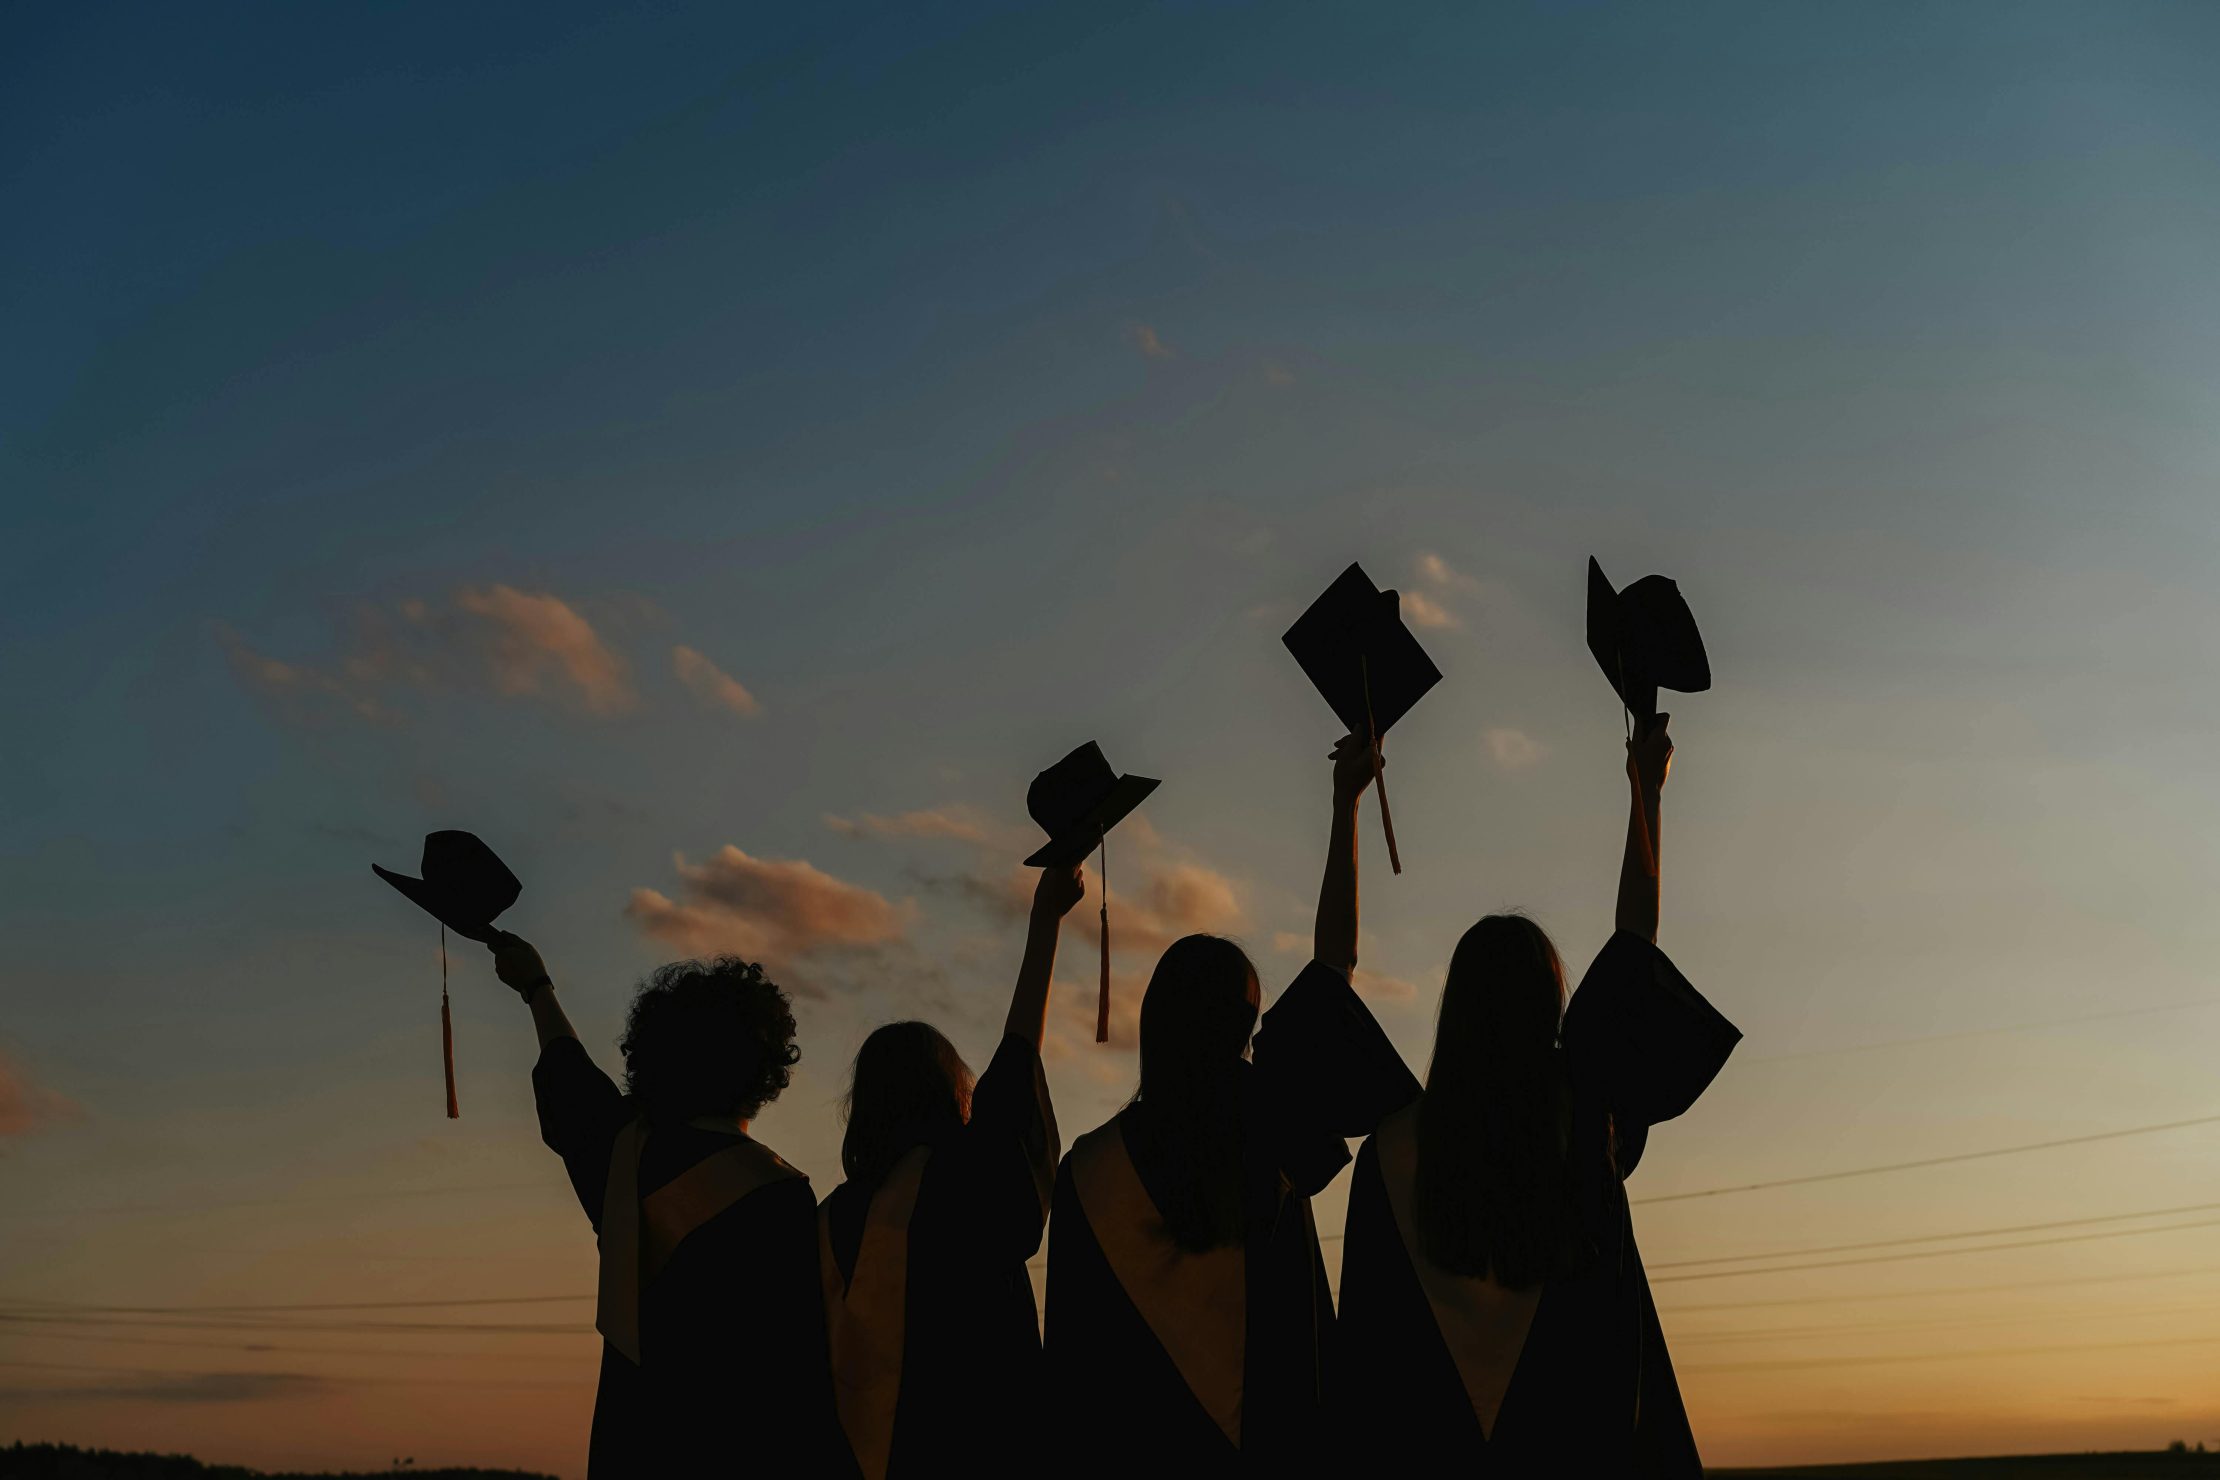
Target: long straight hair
(1494, 1196)
(910, 1086)
(1196, 1017)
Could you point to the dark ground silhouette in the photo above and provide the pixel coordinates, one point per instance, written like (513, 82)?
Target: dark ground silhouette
(68, 1462)
(2133, 1464)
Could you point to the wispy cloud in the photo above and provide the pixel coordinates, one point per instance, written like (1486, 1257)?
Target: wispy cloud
(1423, 611)
(26, 1107)
(1277, 374)
(1439, 573)
(540, 643)
(1512, 749)
(711, 684)
(1144, 338)
(956, 822)
(187, 1387)
(773, 910)
(303, 691)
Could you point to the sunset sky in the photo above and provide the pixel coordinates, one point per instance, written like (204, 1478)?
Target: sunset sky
(719, 454)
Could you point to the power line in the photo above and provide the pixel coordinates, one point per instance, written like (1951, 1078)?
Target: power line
(247, 1323)
(412, 1354)
(1930, 1161)
(2032, 1243)
(162, 1373)
(129, 1209)
(16, 1303)
(1959, 1356)
(1807, 1333)
(1928, 1238)
(1866, 1297)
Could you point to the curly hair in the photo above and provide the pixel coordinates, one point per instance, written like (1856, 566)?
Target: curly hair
(708, 1038)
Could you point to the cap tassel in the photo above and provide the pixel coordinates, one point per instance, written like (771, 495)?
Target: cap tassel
(1102, 995)
(1379, 775)
(447, 1030)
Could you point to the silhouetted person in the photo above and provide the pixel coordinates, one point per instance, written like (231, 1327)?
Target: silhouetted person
(1495, 1318)
(936, 1345)
(713, 1354)
(1190, 1324)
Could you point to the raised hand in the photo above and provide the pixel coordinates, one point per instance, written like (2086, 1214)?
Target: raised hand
(1353, 767)
(1059, 890)
(517, 962)
(1649, 755)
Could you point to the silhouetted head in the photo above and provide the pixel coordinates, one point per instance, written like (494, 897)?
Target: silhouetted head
(1197, 1013)
(1196, 1017)
(708, 1038)
(1493, 1195)
(910, 1086)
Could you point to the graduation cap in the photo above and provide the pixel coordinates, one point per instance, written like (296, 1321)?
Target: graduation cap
(464, 885)
(1644, 639)
(1077, 801)
(1353, 645)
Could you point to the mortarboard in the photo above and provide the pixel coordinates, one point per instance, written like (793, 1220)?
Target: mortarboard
(1644, 638)
(464, 885)
(1353, 646)
(1077, 801)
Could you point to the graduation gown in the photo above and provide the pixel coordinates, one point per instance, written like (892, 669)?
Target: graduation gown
(730, 1376)
(1163, 1362)
(936, 1343)
(1590, 1391)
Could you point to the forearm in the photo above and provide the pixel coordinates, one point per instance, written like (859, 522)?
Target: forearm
(1334, 936)
(1639, 870)
(1029, 999)
(548, 1018)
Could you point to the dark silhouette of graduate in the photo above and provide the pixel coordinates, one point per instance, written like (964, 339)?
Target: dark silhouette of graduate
(713, 1356)
(1189, 1322)
(1495, 1317)
(936, 1348)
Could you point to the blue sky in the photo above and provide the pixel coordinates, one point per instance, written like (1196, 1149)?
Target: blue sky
(966, 384)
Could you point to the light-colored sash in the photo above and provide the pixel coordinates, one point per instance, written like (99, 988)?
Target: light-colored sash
(1195, 1304)
(865, 1322)
(638, 1237)
(1483, 1324)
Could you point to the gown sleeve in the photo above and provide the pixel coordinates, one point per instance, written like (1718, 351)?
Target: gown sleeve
(581, 1111)
(1013, 1146)
(1326, 1073)
(1642, 1040)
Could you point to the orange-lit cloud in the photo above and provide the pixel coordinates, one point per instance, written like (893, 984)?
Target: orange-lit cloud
(1145, 339)
(1512, 749)
(1438, 572)
(711, 684)
(540, 641)
(499, 639)
(773, 910)
(958, 823)
(26, 1107)
(297, 686)
(1423, 611)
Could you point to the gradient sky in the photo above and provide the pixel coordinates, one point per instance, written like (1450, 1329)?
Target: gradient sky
(637, 436)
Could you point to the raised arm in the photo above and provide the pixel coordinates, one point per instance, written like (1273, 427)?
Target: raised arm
(517, 962)
(1334, 937)
(1053, 898)
(1649, 756)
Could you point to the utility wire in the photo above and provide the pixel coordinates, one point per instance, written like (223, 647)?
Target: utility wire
(1866, 1297)
(2071, 1238)
(1983, 1354)
(1928, 1238)
(15, 1303)
(1930, 1161)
